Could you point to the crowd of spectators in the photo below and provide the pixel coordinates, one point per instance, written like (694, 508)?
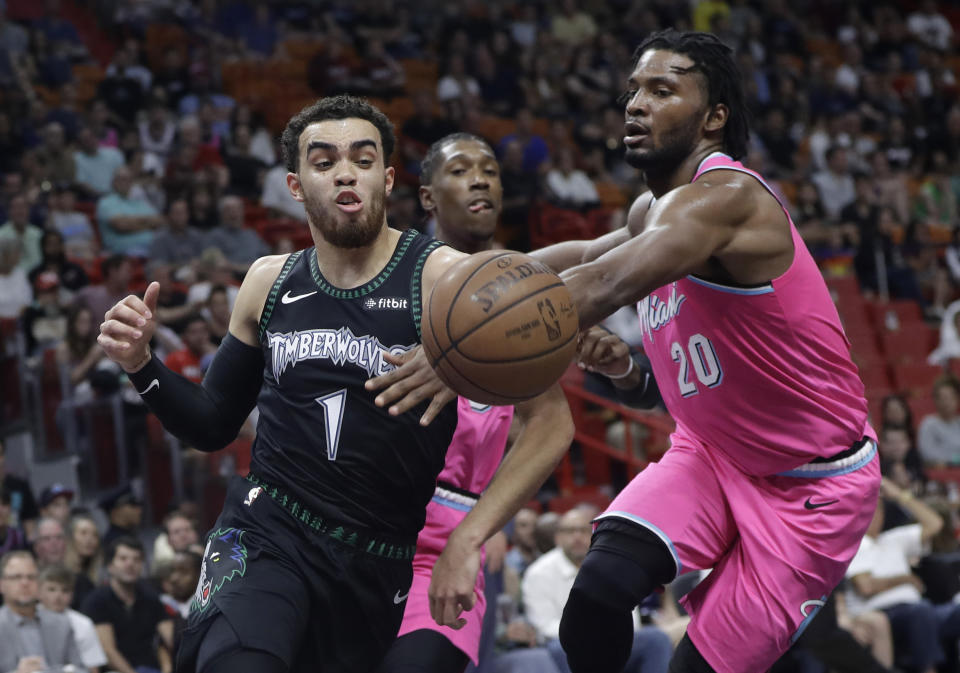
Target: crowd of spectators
(123, 163)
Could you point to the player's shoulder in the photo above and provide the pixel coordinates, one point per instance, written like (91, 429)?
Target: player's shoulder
(438, 261)
(266, 269)
(720, 195)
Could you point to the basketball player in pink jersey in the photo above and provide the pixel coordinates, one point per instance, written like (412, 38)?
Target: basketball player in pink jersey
(772, 477)
(461, 189)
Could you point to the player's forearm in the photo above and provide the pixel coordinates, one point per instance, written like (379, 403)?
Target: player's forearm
(561, 256)
(546, 435)
(117, 661)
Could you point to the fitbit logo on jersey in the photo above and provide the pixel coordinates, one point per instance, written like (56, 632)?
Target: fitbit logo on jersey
(385, 303)
(340, 346)
(489, 293)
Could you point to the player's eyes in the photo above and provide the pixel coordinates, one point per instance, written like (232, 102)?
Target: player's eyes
(323, 165)
(366, 163)
(458, 171)
(627, 96)
(663, 93)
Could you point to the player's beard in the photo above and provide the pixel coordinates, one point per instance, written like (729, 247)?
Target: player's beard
(672, 149)
(350, 233)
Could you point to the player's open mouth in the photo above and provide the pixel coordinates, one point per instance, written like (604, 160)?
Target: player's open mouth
(634, 134)
(349, 202)
(480, 206)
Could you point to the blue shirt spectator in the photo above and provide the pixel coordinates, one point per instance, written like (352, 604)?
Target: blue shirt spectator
(126, 219)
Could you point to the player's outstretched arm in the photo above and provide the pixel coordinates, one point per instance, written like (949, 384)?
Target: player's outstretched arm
(206, 416)
(630, 374)
(689, 226)
(546, 435)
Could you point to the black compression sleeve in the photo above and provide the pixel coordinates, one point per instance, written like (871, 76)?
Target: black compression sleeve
(644, 396)
(206, 416)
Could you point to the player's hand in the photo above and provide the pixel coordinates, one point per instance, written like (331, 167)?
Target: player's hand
(412, 382)
(31, 665)
(128, 327)
(603, 352)
(452, 584)
(496, 549)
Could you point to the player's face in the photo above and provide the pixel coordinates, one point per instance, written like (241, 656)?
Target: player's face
(466, 193)
(183, 578)
(665, 111)
(342, 181)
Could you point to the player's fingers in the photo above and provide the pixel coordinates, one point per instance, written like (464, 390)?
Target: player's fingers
(150, 297)
(125, 314)
(398, 359)
(400, 373)
(451, 613)
(136, 303)
(121, 331)
(439, 401)
(111, 345)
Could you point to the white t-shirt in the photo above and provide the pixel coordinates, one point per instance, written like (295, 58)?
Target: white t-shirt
(888, 555)
(85, 635)
(276, 194)
(15, 293)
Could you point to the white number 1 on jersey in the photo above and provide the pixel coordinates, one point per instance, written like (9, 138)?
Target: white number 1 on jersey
(333, 405)
(704, 360)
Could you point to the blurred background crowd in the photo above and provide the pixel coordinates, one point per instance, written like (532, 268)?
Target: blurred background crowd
(139, 142)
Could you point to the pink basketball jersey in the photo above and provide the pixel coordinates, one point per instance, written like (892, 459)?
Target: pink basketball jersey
(763, 373)
(477, 445)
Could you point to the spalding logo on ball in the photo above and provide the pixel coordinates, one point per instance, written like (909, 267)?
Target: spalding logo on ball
(499, 327)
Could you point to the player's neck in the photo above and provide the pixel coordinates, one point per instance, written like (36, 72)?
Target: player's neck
(682, 174)
(352, 267)
(456, 240)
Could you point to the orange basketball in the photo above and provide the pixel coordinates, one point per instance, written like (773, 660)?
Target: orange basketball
(499, 327)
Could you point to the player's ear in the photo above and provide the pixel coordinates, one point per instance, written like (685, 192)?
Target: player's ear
(389, 174)
(293, 184)
(717, 118)
(426, 199)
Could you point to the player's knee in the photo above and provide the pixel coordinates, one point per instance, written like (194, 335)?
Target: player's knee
(687, 659)
(594, 635)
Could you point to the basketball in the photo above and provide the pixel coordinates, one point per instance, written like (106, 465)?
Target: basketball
(499, 327)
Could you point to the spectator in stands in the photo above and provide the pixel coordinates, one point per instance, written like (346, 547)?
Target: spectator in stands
(157, 130)
(127, 221)
(12, 537)
(116, 270)
(19, 229)
(889, 185)
(70, 276)
(239, 245)
(422, 129)
(572, 25)
(15, 291)
(128, 618)
(276, 195)
(197, 348)
(45, 320)
(96, 163)
(835, 184)
(569, 186)
(123, 87)
(84, 555)
(181, 582)
(535, 150)
(931, 27)
(378, 72)
(177, 243)
(895, 412)
(878, 242)
(79, 352)
(881, 579)
(179, 535)
(457, 89)
(34, 639)
(23, 507)
(246, 169)
(330, 71)
(50, 541)
(54, 503)
(217, 312)
(56, 595)
(938, 437)
(545, 532)
(519, 194)
(53, 158)
(899, 458)
(261, 143)
(547, 584)
(125, 513)
(523, 552)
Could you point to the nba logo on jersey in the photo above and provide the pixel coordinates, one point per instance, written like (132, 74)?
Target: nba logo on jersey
(385, 303)
(252, 495)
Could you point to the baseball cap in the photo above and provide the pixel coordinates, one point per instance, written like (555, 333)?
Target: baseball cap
(54, 491)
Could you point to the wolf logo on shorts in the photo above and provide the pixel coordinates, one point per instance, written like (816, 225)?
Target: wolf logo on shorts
(224, 558)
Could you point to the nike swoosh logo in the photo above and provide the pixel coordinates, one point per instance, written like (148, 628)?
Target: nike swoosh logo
(153, 384)
(818, 505)
(398, 599)
(287, 299)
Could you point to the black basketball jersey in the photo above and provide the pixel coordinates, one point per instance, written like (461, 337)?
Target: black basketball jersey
(320, 436)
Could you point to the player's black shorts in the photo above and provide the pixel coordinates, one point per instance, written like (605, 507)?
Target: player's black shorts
(320, 596)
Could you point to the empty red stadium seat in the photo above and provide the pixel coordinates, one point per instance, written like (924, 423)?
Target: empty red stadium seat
(911, 344)
(916, 378)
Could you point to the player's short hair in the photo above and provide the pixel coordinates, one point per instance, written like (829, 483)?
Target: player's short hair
(331, 108)
(59, 575)
(716, 63)
(433, 158)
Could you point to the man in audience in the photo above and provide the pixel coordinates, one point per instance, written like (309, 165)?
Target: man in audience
(179, 535)
(189, 360)
(55, 503)
(124, 511)
(32, 639)
(126, 219)
(95, 164)
(547, 584)
(239, 245)
(178, 243)
(128, 618)
(938, 438)
(56, 595)
(881, 579)
(18, 227)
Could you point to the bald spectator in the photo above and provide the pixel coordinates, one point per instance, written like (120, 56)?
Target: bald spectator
(18, 228)
(32, 639)
(95, 163)
(239, 245)
(125, 217)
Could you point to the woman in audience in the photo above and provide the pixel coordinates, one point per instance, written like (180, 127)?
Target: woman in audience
(84, 555)
(79, 352)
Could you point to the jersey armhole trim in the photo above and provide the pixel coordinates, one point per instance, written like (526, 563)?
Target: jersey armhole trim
(274, 291)
(416, 285)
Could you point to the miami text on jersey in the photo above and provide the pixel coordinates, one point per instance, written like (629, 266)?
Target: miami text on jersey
(336, 345)
(655, 313)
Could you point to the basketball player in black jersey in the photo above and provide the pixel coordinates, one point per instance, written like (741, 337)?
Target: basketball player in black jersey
(309, 564)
